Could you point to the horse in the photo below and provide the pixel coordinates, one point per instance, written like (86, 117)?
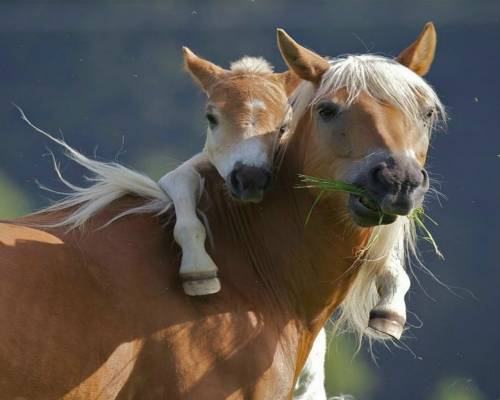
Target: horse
(103, 315)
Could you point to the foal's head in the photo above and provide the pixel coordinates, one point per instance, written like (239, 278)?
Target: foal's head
(247, 112)
(367, 120)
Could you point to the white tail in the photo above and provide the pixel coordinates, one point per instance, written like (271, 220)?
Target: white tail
(110, 181)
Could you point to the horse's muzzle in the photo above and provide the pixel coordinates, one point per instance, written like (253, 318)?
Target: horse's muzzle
(394, 185)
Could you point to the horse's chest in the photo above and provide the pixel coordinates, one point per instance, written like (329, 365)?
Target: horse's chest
(215, 360)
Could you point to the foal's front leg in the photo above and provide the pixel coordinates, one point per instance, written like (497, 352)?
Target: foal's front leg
(198, 271)
(389, 315)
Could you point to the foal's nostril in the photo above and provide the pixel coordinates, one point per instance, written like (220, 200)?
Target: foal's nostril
(240, 181)
(266, 180)
(234, 180)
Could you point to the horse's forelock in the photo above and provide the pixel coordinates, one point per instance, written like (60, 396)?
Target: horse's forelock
(380, 77)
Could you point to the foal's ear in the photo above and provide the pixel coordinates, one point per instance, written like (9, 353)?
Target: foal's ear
(203, 71)
(305, 63)
(420, 54)
(288, 80)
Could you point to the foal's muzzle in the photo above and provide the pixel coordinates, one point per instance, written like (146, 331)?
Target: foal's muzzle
(249, 183)
(394, 185)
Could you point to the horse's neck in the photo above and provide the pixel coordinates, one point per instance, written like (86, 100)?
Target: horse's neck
(323, 273)
(303, 270)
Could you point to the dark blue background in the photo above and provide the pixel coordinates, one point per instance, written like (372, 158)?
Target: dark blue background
(111, 71)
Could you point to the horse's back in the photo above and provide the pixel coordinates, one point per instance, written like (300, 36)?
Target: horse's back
(102, 313)
(76, 309)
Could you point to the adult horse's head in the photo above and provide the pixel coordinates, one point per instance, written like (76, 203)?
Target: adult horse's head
(247, 111)
(369, 119)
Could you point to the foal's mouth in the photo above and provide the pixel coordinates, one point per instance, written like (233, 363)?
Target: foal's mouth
(366, 212)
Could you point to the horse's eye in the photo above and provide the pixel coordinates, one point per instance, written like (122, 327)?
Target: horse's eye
(429, 113)
(212, 120)
(328, 110)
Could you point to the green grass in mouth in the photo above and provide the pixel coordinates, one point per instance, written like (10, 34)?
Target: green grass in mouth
(418, 215)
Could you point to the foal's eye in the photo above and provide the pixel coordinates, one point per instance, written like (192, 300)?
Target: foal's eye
(328, 110)
(212, 120)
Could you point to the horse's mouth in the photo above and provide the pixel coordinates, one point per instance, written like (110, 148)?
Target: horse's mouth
(366, 212)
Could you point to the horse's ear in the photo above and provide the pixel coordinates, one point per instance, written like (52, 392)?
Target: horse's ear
(420, 54)
(204, 72)
(289, 80)
(305, 63)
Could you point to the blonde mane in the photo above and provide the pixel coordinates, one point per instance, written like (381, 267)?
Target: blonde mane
(385, 80)
(380, 77)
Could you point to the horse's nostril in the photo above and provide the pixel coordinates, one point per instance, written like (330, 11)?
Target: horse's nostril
(382, 177)
(425, 177)
(375, 174)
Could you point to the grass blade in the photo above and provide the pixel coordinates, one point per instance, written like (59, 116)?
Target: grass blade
(418, 215)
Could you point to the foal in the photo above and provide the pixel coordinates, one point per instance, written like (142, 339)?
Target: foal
(247, 112)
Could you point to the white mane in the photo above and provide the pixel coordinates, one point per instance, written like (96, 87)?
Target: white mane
(386, 80)
(255, 65)
(382, 78)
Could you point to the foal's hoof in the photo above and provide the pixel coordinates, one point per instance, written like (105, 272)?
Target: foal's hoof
(200, 283)
(387, 322)
(201, 287)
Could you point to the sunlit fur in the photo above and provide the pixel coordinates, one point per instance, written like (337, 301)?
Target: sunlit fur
(387, 81)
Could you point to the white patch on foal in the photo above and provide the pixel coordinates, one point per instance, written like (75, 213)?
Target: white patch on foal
(256, 104)
(250, 152)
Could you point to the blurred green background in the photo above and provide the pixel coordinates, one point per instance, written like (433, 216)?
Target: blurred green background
(108, 76)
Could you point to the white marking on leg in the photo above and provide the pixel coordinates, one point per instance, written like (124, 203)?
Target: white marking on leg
(184, 185)
(392, 284)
